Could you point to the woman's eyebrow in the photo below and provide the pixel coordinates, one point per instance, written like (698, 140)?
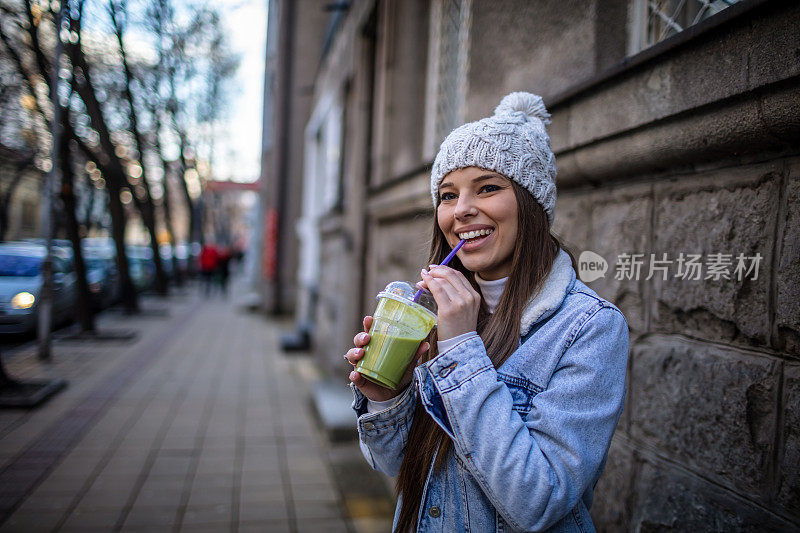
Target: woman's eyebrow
(475, 180)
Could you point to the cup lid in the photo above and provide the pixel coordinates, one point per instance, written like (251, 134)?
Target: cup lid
(405, 291)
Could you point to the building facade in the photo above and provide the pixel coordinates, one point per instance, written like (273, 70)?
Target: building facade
(676, 129)
(295, 33)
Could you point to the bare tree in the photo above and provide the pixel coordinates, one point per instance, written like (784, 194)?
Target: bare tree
(194, 57)
(84, 313)
(107, 160)
(118, 13)
(18, 149)
(33, 65)
(127, 113)
(16, 164)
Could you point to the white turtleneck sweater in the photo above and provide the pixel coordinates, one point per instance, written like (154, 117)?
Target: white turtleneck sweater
(491, 290)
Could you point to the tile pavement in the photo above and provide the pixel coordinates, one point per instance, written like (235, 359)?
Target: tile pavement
(200, 424)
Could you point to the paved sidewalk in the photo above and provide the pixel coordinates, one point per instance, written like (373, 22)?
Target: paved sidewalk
(200, 424)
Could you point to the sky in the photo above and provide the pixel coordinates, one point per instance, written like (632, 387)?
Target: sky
(238, 142)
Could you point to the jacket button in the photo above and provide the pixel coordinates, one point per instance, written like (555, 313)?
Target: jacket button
(435, 512)
(369, 426)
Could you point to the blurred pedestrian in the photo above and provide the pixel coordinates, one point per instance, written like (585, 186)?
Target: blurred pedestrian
(237, 255)
(209, 262)
(510, 415)
(223, 270)
(238, 258)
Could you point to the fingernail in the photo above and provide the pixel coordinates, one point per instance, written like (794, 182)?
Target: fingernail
(344, 357)
(353, 375)
(432, 266)
(362, 337)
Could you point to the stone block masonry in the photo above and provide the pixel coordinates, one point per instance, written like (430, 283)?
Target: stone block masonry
(788, 481)
(787, 309)
(710, 436)
(728, 211)
(709, 407)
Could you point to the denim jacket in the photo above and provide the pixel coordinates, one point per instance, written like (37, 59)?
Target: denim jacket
(530, 438)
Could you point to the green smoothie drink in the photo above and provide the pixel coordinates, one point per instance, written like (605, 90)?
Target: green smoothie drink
(400, 325)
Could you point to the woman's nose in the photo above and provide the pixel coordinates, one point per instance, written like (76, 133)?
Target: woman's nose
(465, 208)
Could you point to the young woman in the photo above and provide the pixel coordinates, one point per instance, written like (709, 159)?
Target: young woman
(505, 422)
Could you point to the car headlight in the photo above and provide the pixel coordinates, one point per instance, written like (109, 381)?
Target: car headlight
(22, 300)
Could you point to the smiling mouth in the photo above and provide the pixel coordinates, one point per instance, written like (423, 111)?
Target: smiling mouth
(474, 236)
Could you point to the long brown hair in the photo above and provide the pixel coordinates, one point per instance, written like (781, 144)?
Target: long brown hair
(532, 260)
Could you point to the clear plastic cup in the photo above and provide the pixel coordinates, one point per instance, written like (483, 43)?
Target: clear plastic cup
(400, 325)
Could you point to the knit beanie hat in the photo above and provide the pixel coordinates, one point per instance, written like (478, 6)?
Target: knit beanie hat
(513, 142)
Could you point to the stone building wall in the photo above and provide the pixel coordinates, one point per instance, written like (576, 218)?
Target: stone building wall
(709, 434)
(689, 147)
(296, 30)
(694, 150)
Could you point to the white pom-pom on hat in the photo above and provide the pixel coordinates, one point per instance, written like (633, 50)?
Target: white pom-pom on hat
(530, 104)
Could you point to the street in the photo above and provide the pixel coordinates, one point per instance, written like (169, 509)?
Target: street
(199, 424)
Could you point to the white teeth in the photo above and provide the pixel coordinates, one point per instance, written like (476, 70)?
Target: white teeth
(472, 234)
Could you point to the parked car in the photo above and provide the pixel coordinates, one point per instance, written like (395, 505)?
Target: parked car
(103, 245)
(102, 277)
(141, 266)
(181, 258)
(165, 253)
(21, 286)
(101, 270)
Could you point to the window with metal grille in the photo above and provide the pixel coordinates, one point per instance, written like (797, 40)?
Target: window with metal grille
(653, 21)
(447, 70)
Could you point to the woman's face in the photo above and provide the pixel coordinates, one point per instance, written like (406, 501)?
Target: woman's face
(480, 206)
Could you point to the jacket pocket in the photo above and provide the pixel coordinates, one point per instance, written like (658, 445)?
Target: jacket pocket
(522, 391)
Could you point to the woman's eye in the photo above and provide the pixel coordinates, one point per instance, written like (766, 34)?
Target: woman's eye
(490, 188)
(446, 196)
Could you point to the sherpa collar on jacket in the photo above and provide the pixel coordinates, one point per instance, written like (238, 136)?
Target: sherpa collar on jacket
(549, 298)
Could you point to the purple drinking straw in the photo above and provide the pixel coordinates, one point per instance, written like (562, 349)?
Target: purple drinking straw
(447, 259)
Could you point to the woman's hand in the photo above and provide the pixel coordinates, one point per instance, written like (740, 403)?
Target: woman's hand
(457, 301)
(371, 390)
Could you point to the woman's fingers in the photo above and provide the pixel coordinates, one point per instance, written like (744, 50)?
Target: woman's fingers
(362, 383)
(462, 292)
(354, 355)
(371, 390)
(458, 305)
(358, 380)
(456, 278)
(361, 340)
(443, 292)
(449, 275)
